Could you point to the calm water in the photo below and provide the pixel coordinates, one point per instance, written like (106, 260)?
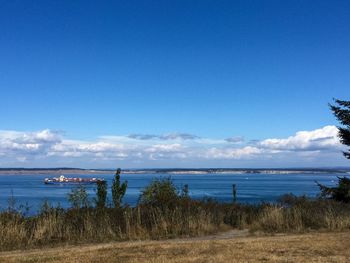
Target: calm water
(251, 188)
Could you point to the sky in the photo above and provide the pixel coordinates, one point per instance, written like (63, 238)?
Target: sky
(140, 84)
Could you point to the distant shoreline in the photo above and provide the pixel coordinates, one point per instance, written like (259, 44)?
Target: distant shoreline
(55, 171)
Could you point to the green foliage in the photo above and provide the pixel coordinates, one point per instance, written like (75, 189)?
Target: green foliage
(289, 200)
(118, 189)
(160, 193)
(339, 193)
(342, 113)
(185, 191)
(78, 197)
(101, 194)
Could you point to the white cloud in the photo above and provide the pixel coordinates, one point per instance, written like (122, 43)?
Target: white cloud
(50, 147)
(20, 144)
(232, 153)
(176, 147)
(320, 139)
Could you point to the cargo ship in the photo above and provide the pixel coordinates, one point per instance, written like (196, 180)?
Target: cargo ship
(73, 180)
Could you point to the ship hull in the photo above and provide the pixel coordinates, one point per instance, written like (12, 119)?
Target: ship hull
(71, 182)
(64, 180)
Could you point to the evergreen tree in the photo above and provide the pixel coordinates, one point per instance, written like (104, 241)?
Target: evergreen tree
(341, 192)
(118, 189)
(342, 113)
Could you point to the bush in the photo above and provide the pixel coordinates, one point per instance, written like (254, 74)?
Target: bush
(118, 189)
(101, 194)
(78, 197)
(340, 193)
(160, 193)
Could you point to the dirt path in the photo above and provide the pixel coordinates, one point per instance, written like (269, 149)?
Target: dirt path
(231, 246)
(235, 233)
(219, 236)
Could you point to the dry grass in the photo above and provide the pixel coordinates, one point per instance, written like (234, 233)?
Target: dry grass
(312, 247)
(57, 227)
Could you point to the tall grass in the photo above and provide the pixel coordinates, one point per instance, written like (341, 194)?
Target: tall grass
(184, 217)
(304, 215)
(96, 225)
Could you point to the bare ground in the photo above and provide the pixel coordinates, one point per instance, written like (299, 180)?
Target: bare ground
(232, 246)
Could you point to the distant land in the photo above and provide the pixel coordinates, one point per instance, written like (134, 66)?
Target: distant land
(67, 170)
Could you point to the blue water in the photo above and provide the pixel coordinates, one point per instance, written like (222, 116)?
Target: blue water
(251, 188)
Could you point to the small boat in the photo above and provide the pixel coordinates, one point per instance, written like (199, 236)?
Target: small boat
(72, 180)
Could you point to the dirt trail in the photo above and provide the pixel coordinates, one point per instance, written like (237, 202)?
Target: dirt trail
(219, 236)
(230, 246)
(234, 233)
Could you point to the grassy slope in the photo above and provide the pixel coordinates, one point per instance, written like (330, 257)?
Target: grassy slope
(315, 247)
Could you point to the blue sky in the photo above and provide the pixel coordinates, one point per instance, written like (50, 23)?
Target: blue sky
(84, 71)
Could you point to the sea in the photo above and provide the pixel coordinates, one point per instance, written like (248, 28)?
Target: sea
(29, 190)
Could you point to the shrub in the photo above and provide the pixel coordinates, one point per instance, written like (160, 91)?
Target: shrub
(78, 197)
(160, 193)
(101, 194)
(118, 189)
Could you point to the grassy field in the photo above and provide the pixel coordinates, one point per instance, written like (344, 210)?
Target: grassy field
(311, 247)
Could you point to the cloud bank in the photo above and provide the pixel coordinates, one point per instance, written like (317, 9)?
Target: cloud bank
(52, 148)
